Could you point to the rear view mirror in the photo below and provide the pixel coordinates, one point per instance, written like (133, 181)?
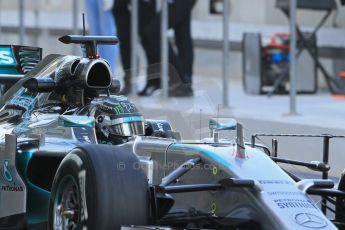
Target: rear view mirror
(217, 124)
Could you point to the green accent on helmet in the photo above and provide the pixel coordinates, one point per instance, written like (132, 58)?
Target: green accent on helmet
(118, 109)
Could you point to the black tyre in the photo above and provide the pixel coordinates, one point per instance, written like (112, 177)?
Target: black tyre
(98, 187)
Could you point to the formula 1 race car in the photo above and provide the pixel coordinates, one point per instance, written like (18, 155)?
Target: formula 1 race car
(74, 155)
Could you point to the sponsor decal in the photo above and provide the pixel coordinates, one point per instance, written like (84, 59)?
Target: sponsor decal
(103, 142)
(129, 107)
(104, 107)
(275, 182)
(86, 139)
(284, 193)
(133, 119)
(213, 207)
(309, 220)
(6, 173)
(82, 134)
(294, 203)
(6, 57)
(160, 126)
(118, 109)
(12, 188)
(9, 178)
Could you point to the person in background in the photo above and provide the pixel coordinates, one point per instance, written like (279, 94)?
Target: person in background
(101, 22)
(180, 21)
(181, 62)
(122, 14)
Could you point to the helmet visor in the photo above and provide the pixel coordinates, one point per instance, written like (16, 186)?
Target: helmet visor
(127, 129)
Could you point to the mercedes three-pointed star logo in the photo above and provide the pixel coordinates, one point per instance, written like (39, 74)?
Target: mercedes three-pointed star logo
(310, 220)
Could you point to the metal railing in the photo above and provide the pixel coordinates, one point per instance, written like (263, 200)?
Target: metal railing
(293, 70)
(226, 55)
(134, 39)
(21, 22)
(164, 48)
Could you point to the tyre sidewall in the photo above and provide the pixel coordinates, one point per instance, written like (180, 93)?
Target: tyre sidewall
(110, 196)
(73, 166)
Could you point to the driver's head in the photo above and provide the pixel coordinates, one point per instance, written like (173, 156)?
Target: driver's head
(117, 119)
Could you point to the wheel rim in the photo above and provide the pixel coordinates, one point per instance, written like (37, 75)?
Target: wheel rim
(67, 205)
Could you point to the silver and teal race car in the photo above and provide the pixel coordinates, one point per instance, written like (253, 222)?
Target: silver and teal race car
(74, 155)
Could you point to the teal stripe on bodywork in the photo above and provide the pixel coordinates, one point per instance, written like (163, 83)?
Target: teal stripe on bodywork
(206, 152)
(75, 124)
(8, 70)
(37, 204)
(37, 198)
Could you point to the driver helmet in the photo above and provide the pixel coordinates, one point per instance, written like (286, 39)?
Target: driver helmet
(117, 118)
